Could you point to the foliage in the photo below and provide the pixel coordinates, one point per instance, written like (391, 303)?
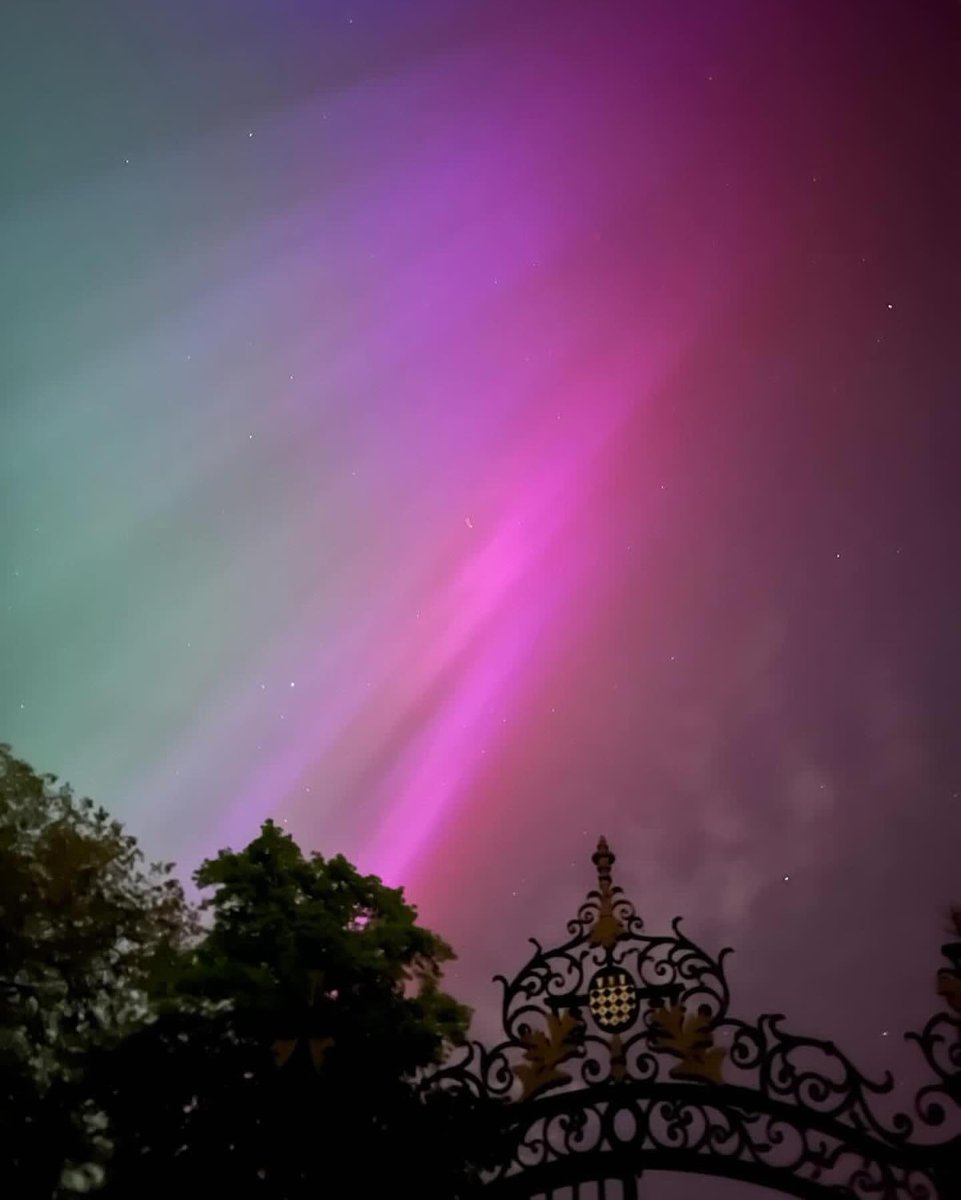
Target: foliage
(85, 931)
(277, 1042)
(289, 1050)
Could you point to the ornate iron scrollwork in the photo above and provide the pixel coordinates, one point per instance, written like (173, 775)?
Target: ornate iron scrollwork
(620, 1056)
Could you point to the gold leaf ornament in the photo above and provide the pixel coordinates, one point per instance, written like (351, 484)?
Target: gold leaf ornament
(317, 1047)
(544, 1053)
(687, 1037)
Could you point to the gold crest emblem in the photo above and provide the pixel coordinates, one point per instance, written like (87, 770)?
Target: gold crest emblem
(613, 999)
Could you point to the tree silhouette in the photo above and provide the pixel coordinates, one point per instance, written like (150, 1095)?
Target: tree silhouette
(84, 931)
(287, 1054)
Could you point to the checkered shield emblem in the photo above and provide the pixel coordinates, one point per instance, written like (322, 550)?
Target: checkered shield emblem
(613, 1000)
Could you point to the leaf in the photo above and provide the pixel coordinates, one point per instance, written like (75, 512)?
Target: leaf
(544, 1052)
(688, 1037)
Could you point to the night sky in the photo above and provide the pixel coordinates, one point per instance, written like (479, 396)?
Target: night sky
(459, 429)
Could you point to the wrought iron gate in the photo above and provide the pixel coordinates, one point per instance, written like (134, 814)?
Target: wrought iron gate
(620, 1058)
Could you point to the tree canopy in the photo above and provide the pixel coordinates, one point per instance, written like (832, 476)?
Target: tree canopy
(275, 1040)
(288, 1048)
(85, 928)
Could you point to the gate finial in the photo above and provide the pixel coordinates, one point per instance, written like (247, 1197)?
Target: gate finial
(603, 859)
(607, 928)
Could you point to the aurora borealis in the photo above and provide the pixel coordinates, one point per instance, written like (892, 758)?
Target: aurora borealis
(457, 429)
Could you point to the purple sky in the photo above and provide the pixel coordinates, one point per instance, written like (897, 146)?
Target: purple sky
(458, 430)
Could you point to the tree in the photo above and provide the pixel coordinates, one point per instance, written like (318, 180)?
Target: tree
(289, 1049)
(85, 929)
